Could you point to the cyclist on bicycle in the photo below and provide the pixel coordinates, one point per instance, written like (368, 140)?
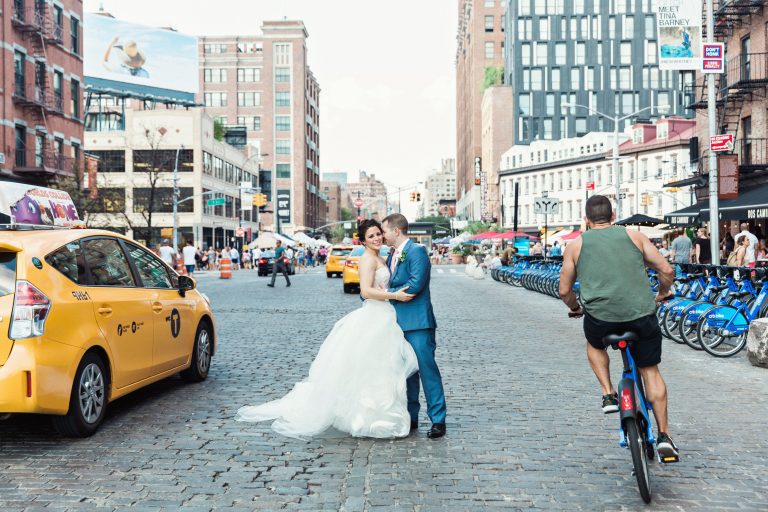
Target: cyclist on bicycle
(610, 262)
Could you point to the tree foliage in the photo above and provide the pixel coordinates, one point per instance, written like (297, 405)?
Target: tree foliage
(218, 129)
(347, 214)
(493, 76)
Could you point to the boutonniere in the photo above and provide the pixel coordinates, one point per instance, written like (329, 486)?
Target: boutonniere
(402, 257)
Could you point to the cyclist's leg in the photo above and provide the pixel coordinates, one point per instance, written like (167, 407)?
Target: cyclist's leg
(600, 363)
(656, 393)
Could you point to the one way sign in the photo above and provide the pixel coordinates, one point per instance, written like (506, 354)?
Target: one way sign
(546, 206)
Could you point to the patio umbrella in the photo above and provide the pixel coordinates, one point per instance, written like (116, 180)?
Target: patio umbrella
(443, 241)
(639, 219)
(572, 235)
(488, 235)
(510, 235)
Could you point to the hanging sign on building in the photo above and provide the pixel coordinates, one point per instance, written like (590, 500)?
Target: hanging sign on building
(728, 176)
(679, 34)
(284, 206)
(713, 58)
(478, 169)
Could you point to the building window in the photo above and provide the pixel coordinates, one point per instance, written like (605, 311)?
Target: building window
(162, 160)
(650, 27)
(250, 122)
(525, 52)
(282, 123)
(560, 53)
(214, 48)
(625, 78)
(215, 75)
(283, 147)
(489, 3)
(19, 73)
(489, 23)
(21, 146)
(543, 28)
(58, 90)
(628, 32)
(282, 54)
(651, 51)
(248, 47)
(109, 161)
(625, 56)
(581, 53)
(74, 106)
(248, 74)
(74, 24)
(248, 99)
(215, 99)
(283, 75)
(489, 49)
(282, 99)
(283, 170)
(555, 78)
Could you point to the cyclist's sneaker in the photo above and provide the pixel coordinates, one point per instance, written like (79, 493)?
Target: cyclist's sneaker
(666, 449)
(611, 403)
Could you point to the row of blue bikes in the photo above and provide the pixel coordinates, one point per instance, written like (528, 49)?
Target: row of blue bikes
(711, 311)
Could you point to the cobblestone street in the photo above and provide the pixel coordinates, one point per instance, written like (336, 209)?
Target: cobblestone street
(525, 430)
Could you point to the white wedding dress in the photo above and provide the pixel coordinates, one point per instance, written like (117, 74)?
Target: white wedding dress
(356, 384)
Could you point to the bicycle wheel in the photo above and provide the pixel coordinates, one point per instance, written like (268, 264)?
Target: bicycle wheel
(669, 325)
(687, 329)
(729, 345)
(637, 445)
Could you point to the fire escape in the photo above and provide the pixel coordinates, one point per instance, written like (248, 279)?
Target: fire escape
(39, 99)
(745, 80)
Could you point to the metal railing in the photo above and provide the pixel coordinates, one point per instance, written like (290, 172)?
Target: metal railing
(47, 160)
(752, 152)
(747, 70)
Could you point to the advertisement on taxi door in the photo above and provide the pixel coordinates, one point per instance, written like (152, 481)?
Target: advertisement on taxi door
(27, 204)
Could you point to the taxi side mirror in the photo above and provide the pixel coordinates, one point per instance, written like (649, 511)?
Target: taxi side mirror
(185, 283)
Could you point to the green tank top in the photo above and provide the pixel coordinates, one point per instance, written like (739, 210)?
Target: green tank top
(613, 281)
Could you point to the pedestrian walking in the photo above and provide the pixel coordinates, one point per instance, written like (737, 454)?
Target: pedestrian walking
(290, 255)
(279, 265)
(211, 258)
(310, 257)
(751, 254)
(301, 258)
(681, 251)
(189, 252)
(246, 259)
(255, 256)
(702, 252)
(235, 256)
(168, 254)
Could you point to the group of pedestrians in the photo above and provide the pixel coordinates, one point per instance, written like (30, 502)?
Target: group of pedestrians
(744, 249)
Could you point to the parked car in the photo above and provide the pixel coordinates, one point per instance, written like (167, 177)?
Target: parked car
(87, 316)
(266, 262)
(351, 274)
(334, 266)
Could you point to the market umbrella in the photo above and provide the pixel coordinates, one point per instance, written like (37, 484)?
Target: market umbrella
(572, 235)
(443, 241)
(510, 235)
(639, 219)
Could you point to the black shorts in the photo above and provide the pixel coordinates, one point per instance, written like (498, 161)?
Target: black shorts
(645, 352)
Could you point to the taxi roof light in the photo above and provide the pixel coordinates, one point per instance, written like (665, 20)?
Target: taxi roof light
(30, 311)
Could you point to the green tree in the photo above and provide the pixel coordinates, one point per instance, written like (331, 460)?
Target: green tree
(218, 129)
(337, 234)
(474, 228)
(347, 214)
(493, 76)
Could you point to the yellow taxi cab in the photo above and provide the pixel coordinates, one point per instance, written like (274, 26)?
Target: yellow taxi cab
(87, 316)
(334, 265)
(351, 275)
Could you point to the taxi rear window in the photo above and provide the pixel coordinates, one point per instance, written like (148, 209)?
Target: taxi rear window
(69, 261)
(7, 273)
(340, 252)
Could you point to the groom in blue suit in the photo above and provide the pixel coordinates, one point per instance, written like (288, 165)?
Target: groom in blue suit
(409, 266)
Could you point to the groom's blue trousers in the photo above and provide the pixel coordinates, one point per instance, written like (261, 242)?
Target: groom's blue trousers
(423, 343)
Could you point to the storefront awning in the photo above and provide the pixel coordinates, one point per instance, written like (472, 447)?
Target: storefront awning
(685, 217)
(752, 204)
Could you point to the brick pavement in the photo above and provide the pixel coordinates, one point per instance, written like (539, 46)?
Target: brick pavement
(524, 427)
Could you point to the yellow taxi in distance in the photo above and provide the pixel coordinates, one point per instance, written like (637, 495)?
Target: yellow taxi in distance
(351, 275)
(87, 316)
(334, 265)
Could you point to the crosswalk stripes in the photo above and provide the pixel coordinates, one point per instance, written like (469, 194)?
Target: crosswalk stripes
(440, 271)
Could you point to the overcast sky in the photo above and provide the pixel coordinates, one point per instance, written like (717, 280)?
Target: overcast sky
(386, 70)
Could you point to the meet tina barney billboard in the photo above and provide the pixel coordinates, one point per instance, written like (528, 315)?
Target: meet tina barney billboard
(146, 60)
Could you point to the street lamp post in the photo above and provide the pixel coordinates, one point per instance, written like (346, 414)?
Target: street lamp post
(662, 109)
(176, 201)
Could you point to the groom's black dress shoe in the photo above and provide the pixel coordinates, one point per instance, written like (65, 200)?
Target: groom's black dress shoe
(437, 430)
(414, 425)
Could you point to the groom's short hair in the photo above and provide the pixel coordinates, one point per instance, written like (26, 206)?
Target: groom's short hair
(397, 220)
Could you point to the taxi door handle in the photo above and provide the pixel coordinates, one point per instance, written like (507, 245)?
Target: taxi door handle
(105, 311)
(157, 307)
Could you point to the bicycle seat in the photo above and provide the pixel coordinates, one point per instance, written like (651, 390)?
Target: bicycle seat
(720, 288)
(741, 294)
(612, 340)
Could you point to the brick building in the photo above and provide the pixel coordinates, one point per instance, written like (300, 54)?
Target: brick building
(263, 82)
(332, 191)
(42, 128)
(372, 192)
(480, 52)
(742, 110)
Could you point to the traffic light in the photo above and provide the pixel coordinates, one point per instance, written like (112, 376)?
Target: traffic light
(646, 199)
(418, 196)
(413, 197)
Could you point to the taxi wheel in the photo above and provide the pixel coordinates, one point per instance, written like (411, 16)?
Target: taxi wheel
(88, 400)
(329, 274)
(201, 355)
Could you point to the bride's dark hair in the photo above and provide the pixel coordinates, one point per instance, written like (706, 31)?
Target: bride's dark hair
(364, 225)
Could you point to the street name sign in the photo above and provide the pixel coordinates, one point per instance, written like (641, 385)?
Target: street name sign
(546, 206)
(217, 201)
(721, 142)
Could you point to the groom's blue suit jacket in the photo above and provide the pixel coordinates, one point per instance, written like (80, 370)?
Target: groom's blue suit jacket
(414, 272)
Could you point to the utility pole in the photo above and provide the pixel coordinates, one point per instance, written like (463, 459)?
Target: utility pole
(714, 210)
(359, 203)
(176, 199)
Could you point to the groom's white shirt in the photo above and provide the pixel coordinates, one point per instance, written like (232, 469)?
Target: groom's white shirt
(396, 256)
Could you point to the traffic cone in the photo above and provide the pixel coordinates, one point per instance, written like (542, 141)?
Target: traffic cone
(180, 268)
(225, 268)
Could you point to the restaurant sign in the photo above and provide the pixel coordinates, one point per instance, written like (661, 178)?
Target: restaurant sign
(728, 176)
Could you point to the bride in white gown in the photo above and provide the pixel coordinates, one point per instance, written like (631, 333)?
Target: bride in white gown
(356, 383)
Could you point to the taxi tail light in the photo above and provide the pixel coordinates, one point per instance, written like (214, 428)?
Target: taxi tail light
(30, 311)
(350, 263)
